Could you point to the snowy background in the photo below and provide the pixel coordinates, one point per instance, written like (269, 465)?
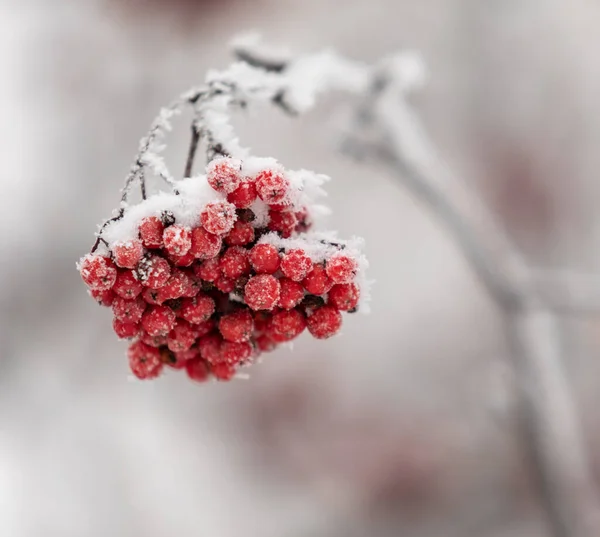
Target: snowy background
(403, 425)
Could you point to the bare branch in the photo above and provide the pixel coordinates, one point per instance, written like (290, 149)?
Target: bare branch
(551, 429)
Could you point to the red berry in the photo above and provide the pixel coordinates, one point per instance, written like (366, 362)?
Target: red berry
(205, 245)
(262, 320)
(153, 341)
(126, 285)
(98, 273)
(244, 195)
(180, 284)
(324, 322)
(223, 371)
(125, 330)
(317, 282)
(210, 348)
(344, 297)
(208, 270)
(218, 217)
(291, 294)
(282, 206)
(241, 233)
(262, 292)
(197, 309)
(283, 222)
(224, 284)
(235, 353)
(196, 370)
(303, 220)
(152, 296)
(234, 262)
(178, 240)
(236, 326)
(264, 258)
(182, 337)
(153, 271)
(271, 186)
(341, 268)
(265, 343)
(182, 260)
(128, 254)
(128, 311)
(205, 328)
(104, 298)
(158, 320)
(189, 354)
(144, 360)
(151, 232)
(287, 325)
(223, 174)
(295, 265)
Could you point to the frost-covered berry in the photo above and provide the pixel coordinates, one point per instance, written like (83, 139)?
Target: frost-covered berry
(182, 337)
(208, 270)
(153, 341)
(341, 268)
(223, 371)
(189, 354)
(265, 343)
(296, 264)
(291, 293)
(324, 322)
(151, 232)
(282, 222)
(236, 326)
(205, 328)
(197, 370)
(126, 285)
(210, 348)
(262, 320)
(205, 245)
(198, 309)
(99, 273)
(235, 353)
(152, 296)
(128, 311)
(158, 320)
(180, 284)
(223, 174)
(262, 292)
(244, 195)
(264, 258)
(344, 296)
(104, 298)
(127, 254)
(287, 324)
(183, 260)
(218, 217)
(144, 361)
(271, 186)
(177, 240)
(153, 271)
(234, 262)
(317, 282)
(303, 221)
(125, 330)
(225, 284)
(241, 233)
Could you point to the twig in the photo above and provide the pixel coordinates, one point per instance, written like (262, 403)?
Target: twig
(551, 429)
(189, 164)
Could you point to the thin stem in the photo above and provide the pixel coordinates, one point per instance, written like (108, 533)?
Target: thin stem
(189, 164)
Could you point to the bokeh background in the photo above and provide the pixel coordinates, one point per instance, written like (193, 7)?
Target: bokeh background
(403, 425)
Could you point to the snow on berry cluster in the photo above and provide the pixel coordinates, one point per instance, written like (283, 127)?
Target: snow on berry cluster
(208, 278)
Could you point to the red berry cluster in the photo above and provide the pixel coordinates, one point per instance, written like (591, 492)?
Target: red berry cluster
(211, 298)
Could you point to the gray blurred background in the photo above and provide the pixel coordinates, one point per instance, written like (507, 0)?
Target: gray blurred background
(405, 424)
